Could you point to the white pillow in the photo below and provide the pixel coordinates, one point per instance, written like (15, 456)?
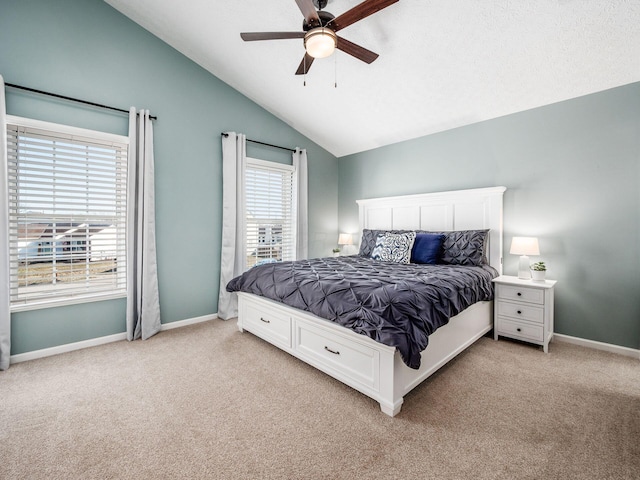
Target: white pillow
(394, 247)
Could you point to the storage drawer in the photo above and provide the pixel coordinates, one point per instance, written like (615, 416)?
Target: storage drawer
(520, 329)
(531, 295)
(338, 356)
(519, 310)
(270, 324)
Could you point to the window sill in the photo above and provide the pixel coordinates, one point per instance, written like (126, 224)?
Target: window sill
(66, 302)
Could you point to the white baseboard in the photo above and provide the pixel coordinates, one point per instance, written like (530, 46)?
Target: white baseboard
(188, 321)
(607, 347)
(69, 347)
(94, 342)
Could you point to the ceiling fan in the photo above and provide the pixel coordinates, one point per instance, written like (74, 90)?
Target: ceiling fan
(319, 31)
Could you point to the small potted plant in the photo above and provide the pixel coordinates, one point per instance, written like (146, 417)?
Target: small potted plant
(336, 252)
(538, 271)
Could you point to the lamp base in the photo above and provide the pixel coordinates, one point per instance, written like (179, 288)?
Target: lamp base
(524, 273)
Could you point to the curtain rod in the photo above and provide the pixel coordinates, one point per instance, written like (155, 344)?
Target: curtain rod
(64, 97)
(262, 143)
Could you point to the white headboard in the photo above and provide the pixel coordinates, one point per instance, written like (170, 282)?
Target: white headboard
(474, 209)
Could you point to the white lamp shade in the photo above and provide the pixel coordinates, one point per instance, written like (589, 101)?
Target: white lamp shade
(320, 42)
(345, 239)
(524, 246)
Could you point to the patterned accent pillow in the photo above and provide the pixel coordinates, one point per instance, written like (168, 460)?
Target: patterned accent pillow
(394, 247)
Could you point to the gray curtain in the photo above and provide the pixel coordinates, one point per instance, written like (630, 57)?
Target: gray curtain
(234, 155)
(5, 314)
(143, 299)
(302, 209)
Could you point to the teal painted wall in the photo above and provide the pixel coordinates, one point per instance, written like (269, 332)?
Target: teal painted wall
(86, 49)
(572, 170)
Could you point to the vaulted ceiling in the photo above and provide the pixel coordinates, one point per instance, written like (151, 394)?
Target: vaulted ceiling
(442, 64)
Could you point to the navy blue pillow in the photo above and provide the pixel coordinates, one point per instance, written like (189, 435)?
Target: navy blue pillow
(427, 248)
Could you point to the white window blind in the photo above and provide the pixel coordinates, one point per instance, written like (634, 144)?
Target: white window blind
(270, 214)
(67, 212)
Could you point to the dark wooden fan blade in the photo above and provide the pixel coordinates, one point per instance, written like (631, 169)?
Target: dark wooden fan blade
(252, 36)
(305, 64)
(309, 12)
(363, 10)
(357, 51)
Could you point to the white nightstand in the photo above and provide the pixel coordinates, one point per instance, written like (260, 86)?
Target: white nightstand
(523, 309)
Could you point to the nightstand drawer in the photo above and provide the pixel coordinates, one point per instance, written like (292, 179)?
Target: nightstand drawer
(270, 324)
(520, 294)
(520, 311)
(520, 330)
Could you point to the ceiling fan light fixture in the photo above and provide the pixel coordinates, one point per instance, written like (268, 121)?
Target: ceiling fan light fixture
(320, 42)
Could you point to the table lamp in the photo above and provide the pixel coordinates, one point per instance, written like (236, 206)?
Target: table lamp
(345, 239)
(524, 246)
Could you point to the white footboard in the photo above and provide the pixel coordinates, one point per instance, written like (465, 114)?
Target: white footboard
(372, 368)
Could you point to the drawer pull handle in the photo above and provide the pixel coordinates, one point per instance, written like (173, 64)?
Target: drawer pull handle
(519, 294)
(519, 329)
(265, 321)
(519, 312)
(331, 351)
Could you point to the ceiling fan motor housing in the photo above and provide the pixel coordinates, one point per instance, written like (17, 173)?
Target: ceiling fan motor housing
(325, 18)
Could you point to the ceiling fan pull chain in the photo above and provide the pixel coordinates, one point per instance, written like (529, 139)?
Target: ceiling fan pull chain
(304, 61)
(335, 71)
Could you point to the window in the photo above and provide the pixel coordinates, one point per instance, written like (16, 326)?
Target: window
(270, 214)
(67, 213)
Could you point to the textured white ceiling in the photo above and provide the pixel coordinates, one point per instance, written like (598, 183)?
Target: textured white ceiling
(442, 64)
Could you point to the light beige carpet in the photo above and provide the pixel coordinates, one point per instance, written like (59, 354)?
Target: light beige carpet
(207, 401)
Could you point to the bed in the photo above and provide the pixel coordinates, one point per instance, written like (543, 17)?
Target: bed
(384, 371)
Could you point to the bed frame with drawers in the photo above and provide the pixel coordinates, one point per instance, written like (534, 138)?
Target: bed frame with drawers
(372, 368)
